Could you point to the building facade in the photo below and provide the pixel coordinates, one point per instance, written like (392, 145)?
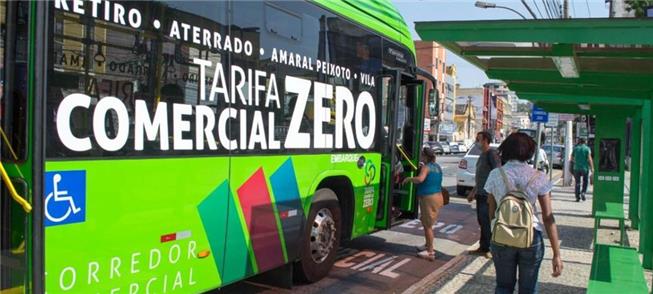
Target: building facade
(465, 119)
(471, 122)
(448, 124)
(499, 103)
(431, 57)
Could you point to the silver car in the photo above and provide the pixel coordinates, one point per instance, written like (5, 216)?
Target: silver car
(556, 154)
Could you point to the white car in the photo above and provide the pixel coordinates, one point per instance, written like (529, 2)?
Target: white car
(445, 147)
(466, 175)
(461, 147)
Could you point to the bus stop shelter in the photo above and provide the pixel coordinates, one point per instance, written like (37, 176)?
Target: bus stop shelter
(601, 67)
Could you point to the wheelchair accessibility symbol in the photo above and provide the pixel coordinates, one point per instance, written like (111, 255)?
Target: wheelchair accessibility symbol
(65, 197)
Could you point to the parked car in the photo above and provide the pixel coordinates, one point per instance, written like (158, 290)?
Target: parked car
(436, 147)
(556, 153)
(466, 175)
(461, 147)
(454, 147)
(445, 147)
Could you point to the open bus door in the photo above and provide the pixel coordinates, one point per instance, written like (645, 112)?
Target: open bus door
(16, 262)
(402, 124)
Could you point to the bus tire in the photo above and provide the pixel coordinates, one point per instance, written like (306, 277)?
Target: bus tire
(321, 237)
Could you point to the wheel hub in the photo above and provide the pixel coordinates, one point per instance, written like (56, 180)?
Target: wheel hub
(323, 235)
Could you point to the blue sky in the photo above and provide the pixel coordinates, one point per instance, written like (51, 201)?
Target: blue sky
(434, 10)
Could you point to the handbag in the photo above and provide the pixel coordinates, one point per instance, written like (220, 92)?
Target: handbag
(445, 196)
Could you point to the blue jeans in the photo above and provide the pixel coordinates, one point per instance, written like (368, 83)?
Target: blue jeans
(528, 260)
(483, 218)
(578, 175)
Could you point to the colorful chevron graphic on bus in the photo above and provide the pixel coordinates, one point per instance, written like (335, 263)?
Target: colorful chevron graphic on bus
(261, 217)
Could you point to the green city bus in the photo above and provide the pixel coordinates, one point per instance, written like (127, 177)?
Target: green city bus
(181, 146)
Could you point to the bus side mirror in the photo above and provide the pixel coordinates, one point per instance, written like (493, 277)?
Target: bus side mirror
(434, 102)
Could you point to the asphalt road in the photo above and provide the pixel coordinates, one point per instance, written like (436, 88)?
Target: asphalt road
(386, 261)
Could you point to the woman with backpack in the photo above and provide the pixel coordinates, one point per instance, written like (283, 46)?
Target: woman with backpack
(429, 192)
(517, 244)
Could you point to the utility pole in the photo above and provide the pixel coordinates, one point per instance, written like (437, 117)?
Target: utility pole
(469, 117)
(565, 9)
(539, 143)
(566, 178)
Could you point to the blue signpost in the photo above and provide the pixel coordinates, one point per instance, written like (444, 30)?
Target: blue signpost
(539, 115)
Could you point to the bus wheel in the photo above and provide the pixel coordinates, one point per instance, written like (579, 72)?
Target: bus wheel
(321, 237)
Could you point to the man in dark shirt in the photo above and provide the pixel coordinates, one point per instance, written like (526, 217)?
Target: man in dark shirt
(487, 161)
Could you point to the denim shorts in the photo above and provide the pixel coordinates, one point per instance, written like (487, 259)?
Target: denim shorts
(511, 261)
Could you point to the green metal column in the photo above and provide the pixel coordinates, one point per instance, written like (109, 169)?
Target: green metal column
(609, 183)
(645, 238)
(636, 145)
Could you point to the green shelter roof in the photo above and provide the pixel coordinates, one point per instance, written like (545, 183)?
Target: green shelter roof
(557, 62)
(378, 15)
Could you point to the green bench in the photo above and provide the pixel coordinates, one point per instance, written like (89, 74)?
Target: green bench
(616, 269)
(614, 211)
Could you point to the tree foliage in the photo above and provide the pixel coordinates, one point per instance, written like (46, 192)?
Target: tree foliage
(639, 6)
(524, 107)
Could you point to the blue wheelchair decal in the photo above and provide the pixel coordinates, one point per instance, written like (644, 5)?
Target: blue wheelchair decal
(65, 197)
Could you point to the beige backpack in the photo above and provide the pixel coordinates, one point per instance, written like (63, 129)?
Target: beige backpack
(513, 219)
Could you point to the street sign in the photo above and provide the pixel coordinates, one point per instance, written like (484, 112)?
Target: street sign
(566, 117)
(539, 115)
(553, 120)
(581, 129)
(448, 127)
(427, 124)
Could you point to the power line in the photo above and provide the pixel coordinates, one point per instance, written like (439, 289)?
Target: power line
(530, 11)
(589, 11)
(546, 8)
(538, 8)
(573, 7)
(554, 14)
(555, 8)
(559, 8)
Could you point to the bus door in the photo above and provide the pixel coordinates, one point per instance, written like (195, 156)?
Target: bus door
(401, 115)
(15, 245)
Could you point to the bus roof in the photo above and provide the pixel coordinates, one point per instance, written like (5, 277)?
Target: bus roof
(378, 15)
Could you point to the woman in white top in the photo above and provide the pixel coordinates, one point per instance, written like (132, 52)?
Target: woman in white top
(515, 151)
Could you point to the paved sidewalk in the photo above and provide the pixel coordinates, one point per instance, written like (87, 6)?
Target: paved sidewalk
(472, 274)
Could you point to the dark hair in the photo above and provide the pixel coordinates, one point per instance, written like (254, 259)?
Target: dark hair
(581, 140)
(430, 155)
(518, 146)
(485, 135)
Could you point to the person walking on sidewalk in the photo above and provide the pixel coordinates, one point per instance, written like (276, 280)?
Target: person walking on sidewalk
(517, 174)
(429, 192)
(487, 161)
(582, 164)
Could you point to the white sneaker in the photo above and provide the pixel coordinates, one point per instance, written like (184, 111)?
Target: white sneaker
(420, 248)
(426, 255)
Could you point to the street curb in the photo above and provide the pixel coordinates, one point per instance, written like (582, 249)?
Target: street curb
(424, 283)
